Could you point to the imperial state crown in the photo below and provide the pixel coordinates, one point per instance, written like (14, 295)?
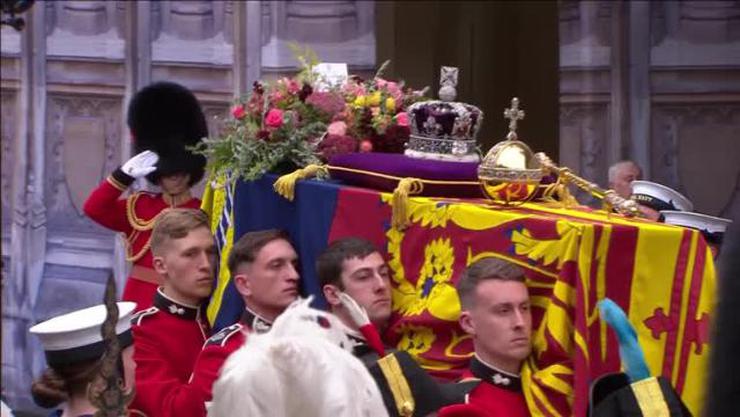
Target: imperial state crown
(444, 129)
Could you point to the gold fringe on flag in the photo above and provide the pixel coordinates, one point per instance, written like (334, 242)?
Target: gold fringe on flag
(285, 185)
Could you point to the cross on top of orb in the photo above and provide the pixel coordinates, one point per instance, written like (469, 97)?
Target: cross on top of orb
(513, 114)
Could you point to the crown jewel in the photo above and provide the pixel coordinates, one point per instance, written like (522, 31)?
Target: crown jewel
(444, 129)
(509, 172)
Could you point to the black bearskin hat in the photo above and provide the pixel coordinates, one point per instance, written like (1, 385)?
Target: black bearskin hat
(166, 118)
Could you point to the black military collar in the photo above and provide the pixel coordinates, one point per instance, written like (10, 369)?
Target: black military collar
(255, 322)
(497, 377)
(178, 309)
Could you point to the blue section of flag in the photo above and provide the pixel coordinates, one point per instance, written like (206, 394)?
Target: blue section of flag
(307, 220)
(225, 221)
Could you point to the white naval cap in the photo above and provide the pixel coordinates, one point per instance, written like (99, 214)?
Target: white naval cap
(713, 228)
(76, 336)
(659, 197)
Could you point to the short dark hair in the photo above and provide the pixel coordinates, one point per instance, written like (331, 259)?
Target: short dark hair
(176, 223)
(246, 248)
(483, 270)
(329, 263)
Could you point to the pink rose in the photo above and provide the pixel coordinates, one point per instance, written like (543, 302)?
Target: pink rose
(402, 119)
(381, 82)
(275, 97)
(274, 118)
(238, 112)
(293, 86)
(366, 146)
(337, 128)
(353, 88)
(395, 91)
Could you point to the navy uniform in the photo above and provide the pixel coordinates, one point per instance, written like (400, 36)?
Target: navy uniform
(407, 389)
(614, 395)
(75, 339)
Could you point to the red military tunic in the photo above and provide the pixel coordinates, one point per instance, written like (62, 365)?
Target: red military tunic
(218, 348)
(498, 395)
(134, 217)
(168, 338)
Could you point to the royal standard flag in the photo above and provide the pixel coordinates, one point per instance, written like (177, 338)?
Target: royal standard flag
(661, 275)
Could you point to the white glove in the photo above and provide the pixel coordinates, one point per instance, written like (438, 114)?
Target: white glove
(358, 314)
(141, 165)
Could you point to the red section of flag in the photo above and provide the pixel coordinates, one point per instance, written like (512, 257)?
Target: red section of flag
(361, 213)
(693, 327)
(679, 277)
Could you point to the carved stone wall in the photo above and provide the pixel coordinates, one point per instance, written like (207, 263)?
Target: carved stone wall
(89, 57)
(661, 81)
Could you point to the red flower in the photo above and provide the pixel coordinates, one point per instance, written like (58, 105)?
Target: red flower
(366, 146)
(402, 119)
(333, 145)
(238, 111)
(274, 118)
(263, 135)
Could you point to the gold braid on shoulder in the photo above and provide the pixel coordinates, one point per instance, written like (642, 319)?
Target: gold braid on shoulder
(130, 244)
(136, 222)
(139, 225)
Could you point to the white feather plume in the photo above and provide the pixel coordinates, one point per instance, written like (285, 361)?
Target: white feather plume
(301, 367)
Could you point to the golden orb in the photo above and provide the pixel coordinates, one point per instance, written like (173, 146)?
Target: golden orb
(509, 172)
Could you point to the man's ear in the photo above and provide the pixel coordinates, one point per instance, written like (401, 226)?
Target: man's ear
(159, 266)
(467, 323)
(243, 285)
(331, 293)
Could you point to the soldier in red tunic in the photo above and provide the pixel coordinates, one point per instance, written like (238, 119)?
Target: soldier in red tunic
(263, 266)
(165, 119)
(169, 335)
(495, 312)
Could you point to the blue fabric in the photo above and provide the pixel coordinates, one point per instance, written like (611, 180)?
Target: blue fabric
(307, 220)
(58, 413)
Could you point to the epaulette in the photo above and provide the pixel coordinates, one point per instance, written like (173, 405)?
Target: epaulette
(220, 338)
(136, 318)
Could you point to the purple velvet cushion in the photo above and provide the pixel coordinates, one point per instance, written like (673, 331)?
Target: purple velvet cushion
(401, 166)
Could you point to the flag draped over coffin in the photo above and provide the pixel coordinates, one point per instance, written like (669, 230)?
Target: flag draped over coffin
(663, 276)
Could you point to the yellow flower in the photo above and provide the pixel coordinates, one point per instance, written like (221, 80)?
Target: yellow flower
(374, 99)
(360, 101)
(390, 104)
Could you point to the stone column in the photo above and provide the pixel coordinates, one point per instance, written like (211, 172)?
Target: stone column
(137, 61)
(247, 45)
(617, 148)
(639, 83)
(28, 228)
